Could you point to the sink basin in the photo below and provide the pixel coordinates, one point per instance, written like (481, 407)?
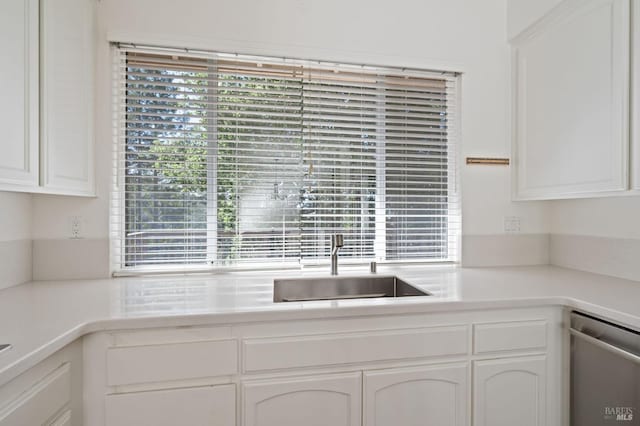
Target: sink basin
(334, 288)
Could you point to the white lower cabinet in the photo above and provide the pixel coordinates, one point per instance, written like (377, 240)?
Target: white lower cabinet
(203, 406)
(63, 419)
(510, 391)
(480, 368)
(416, 396)
(41, 402)
(47, 394)
(310, 401)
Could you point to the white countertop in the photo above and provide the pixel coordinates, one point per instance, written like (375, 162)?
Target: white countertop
(40, 318)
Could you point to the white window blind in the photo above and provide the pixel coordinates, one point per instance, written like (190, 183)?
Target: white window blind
(229, 160)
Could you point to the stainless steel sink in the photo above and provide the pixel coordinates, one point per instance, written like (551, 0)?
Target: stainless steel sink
(333, 288)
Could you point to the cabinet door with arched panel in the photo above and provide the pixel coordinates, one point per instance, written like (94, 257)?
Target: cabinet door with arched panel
(510, 391)
(416, 396)
(308, 400)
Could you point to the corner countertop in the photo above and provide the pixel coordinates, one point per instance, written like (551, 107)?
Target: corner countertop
(39, 318)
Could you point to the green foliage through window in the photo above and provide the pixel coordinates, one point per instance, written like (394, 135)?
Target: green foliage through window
(231, 160)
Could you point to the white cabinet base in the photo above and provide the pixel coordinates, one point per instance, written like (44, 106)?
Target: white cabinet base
(333, 371)
(205, 406)
(310, 401)
(47, 394)
(510, 391)
(418, 396)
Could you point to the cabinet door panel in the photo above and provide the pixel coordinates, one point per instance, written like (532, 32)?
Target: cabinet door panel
(63, 419)
(41, 402)
(67, 96)
(571, 102)
(311, 401)
(434, 395)
(205, 406)
(510, 392)
(19, 106)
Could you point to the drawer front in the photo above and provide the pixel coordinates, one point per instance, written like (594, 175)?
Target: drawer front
(204, 406)
(509, 336)
(308, 351)
(40, 403)
(173, 361)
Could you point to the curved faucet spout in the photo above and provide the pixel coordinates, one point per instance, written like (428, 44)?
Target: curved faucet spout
(337, 242)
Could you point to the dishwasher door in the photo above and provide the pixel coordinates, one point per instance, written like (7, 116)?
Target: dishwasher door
(605, 373)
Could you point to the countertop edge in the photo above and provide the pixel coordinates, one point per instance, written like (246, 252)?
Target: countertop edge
(38, 355)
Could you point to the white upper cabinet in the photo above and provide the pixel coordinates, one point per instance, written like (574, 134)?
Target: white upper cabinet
(571, 101)
(19, 106)
(67, 68)
(523, 13)
(47, 103)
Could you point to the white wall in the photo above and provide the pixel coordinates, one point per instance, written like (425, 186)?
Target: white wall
(600, 235)
(613, 217)
(15, 216)
(15, 238)
(465, 35)
(52, 214)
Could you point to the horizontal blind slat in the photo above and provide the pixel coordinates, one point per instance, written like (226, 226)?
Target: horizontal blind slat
(228, 160)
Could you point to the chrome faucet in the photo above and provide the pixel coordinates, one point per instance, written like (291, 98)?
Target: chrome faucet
(337, 241)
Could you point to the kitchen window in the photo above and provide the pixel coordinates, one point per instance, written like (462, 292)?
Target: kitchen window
(230, 160)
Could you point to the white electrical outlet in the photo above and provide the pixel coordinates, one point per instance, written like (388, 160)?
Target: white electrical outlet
(75, 227)
(512, 224)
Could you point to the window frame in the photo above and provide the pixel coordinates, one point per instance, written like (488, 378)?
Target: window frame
(118, 228)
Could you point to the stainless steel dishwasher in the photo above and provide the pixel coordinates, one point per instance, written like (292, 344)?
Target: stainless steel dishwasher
(605, 373)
